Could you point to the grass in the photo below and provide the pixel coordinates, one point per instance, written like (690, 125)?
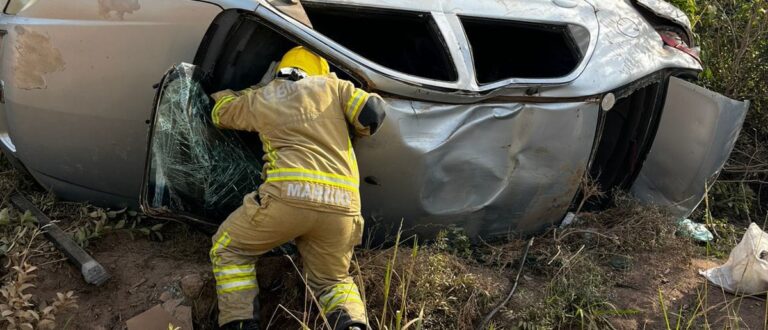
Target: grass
(569, 279)
(18, 308)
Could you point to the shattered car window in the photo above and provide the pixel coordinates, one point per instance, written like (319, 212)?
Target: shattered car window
(196, 168)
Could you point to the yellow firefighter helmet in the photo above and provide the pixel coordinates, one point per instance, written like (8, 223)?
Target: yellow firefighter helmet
(304, 60)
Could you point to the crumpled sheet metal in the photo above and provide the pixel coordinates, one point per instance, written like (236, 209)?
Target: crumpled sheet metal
(682, 162)
(669, 11)
(493, 169)
(196, 168)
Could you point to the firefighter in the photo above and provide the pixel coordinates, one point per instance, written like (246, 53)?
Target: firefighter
(310, 193)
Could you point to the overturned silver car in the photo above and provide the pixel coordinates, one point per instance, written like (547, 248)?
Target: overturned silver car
(497, 109)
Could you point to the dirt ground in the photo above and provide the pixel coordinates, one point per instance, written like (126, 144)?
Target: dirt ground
(635, 299)
(145, 272)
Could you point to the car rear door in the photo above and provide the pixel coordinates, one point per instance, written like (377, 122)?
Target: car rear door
(696, 134)
(78, 77)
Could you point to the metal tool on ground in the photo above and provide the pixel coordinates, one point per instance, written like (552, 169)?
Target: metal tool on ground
(92, 271)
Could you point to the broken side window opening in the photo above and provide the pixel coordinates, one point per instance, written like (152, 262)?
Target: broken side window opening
(238, 50)
(408, 42)
(509, 49)
(194, 168)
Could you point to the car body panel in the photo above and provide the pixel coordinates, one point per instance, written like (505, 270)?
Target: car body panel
(78, 86)
(492, 169)
(696, 135)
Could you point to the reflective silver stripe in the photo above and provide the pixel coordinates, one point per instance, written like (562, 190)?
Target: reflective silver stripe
(234, 271)
(234, 284)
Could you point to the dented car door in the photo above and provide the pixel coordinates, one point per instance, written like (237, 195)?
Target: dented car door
(696, 135)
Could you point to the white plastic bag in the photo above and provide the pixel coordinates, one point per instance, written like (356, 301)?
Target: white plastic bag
(746, 271)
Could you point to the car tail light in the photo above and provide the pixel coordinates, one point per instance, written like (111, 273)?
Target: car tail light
(674, 40)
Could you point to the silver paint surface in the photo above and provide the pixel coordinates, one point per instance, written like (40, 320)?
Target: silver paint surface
(492, 169)
(697, 132)
(85, 134)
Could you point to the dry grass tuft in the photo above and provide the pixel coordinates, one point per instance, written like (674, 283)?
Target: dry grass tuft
(19, 311)
(18, 308)
(20, 245)
(577, 266)
(451, 292)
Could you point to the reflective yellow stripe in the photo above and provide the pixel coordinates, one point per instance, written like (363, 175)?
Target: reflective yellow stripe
(271, 153)
(313, 172)
(358, 106)
(354, 104)
(230, 267)
(341, 294)
(222, 242)
(352, 99)
(336, 304)
(339, 289)
(237, 281)
(215, 113)
(300, 174)
(221, 278)
(338, 294)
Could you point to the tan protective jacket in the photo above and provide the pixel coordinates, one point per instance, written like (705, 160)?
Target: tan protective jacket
(304, 126)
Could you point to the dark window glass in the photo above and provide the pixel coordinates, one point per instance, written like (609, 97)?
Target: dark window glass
(408, 42)
(508, 49)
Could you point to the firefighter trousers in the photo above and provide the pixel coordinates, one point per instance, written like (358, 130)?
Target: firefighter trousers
(325, 241)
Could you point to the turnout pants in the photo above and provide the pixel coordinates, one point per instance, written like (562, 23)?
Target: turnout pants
(325, 240)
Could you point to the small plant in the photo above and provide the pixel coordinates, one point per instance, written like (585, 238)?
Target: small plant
(18, 310)
(100, 222)
(454, 240)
